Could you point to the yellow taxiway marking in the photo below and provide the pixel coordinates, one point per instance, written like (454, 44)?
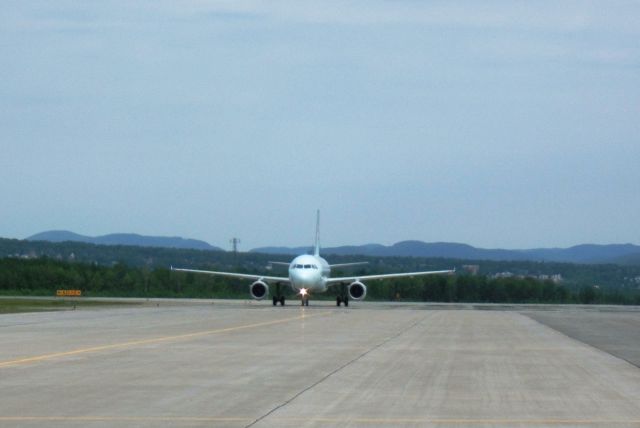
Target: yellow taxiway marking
(319, 420)
(133, 343)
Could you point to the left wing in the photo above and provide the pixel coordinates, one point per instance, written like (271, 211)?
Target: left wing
(387, 275)
(237, 275)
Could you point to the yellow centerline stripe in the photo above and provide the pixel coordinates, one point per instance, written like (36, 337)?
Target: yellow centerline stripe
(121, 419)
(152, 341)
(463, 421)
(346, 420)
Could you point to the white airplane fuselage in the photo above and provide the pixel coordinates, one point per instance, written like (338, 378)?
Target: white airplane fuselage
(310, 273)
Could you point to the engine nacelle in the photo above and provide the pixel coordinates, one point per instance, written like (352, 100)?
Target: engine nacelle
(357, 290)
(259, 290)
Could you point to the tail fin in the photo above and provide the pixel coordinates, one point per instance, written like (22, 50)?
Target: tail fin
(316, 245)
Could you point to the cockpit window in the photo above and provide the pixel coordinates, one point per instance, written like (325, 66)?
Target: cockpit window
(307, 266)
(314, 266)
(298, 266)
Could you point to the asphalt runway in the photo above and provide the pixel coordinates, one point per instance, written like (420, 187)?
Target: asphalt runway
(238, 364)
(614, 330)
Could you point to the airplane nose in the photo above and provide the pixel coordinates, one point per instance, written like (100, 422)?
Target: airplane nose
(302, 278)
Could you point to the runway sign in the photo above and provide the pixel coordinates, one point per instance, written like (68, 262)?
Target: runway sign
(63, 293)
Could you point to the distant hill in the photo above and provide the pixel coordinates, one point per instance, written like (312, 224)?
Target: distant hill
(625, 254)
(123, 239)
(587, 253)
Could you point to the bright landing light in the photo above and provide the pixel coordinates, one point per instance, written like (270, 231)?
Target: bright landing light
(303, 292)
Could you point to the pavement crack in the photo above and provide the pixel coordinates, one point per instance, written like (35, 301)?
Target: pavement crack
(340, 368)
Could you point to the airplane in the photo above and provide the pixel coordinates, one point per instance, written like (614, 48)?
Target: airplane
(310, 273)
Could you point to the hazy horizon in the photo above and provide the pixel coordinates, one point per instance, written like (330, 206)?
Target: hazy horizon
(228, 245)
(495, 124)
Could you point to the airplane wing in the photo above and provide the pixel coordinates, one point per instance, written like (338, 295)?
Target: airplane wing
(237, 275)
(386, 276)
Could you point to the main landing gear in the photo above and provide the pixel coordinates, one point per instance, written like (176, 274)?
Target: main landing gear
(278, 296)
(343, 297)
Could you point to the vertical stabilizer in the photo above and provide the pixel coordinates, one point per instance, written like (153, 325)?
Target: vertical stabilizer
(316, 245)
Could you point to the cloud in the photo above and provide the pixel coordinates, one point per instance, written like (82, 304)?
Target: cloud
(566, 16)
(590, 32)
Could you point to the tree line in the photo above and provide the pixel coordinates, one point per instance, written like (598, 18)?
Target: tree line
(611, 278)
(44, 276)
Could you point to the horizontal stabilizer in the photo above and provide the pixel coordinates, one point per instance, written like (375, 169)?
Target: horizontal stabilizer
(340, 265)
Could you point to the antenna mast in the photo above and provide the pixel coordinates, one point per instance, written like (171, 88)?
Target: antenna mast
(234, 244)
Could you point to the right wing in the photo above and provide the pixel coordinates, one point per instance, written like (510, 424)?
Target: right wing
(387, 275)
(237, 275)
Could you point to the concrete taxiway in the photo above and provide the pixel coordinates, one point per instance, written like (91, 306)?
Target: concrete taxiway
(241, 364)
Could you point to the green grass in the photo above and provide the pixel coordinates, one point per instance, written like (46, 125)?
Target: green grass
(16, 305)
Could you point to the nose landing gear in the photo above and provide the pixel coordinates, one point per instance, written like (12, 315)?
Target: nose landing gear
(304, 297)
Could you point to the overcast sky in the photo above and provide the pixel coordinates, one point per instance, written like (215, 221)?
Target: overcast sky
(500, 124)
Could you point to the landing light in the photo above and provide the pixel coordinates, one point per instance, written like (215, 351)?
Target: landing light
(303, 292)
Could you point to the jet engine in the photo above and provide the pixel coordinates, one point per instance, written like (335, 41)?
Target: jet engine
(259, 290)
(357, 290)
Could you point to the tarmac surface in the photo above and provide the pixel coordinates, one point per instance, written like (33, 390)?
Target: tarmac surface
(240, 364)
